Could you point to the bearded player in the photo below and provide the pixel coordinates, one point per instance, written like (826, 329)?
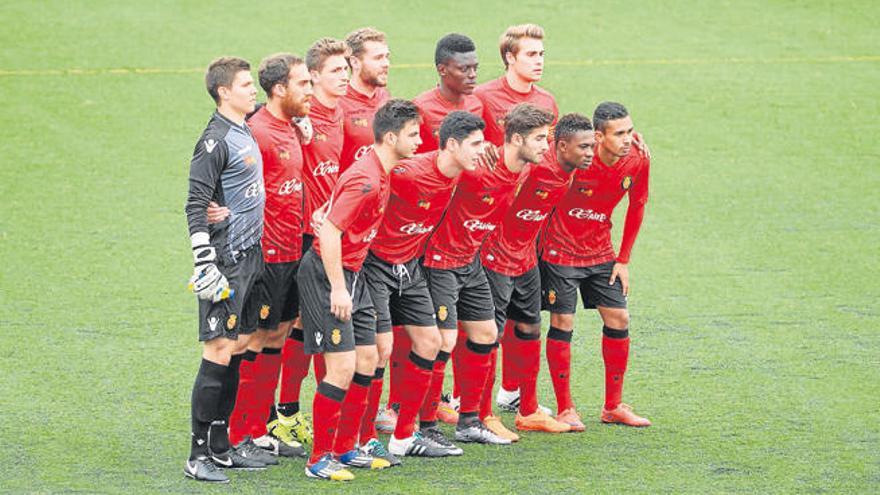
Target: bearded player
(577, 254)
(338, 315)
(511, 263)
(457, 281)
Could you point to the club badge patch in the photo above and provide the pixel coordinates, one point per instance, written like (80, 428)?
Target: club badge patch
(284, 155)
(586, 191)
(360, 122)
(488, 199)
(542, 194)
(335, 336)
(626, 183)
(551, 296)
(231, 321)
(264, 312)
(442, 313)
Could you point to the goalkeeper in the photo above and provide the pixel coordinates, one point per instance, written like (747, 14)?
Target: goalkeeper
(226, 168)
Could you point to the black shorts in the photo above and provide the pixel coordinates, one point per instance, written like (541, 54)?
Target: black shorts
(400, 293)
(277, 294)
(516, 298)
(460, 294)
(559, 285)
(308, 239)
(238, 314)
(322, 332)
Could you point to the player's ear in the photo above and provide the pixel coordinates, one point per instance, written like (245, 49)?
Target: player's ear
(510, 58)
(517, 139)
(390, 138)
(441, 70)
(316, 76)
(223, 92)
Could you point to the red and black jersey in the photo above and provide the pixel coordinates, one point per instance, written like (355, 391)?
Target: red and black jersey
(357, 206)
(419, 196)
(476, 208)
(499, 98)
(282, 173)
(322, 154)
(510, 250)
(433, 108)
(579, 231)
(358, 111)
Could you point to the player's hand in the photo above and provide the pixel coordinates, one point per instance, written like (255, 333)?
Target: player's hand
(207, 282)
(217, 213)
(340, 304)
(620, 270)
(305, 129)
(489, 156)
(641, 145)
(318, 216)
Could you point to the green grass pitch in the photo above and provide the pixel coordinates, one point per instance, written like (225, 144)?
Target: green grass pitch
(756, 326)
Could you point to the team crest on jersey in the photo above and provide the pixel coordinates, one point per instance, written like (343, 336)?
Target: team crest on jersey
(488, 199)
(586, 191)
(542, 194)
(424, 204)
(264, 312)
(366, 188)
(320, 137)
(360, 122)
(626, 183)
(500, 122)
(551, 296)
(249, 160)
(284, 155)
(335, 336)
(231, 321)
(442, 313)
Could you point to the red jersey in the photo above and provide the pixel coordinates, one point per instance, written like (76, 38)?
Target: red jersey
(419, 196)
(321, 168)
(510, 250)
(358, 110)
(481, 198)
(282, 175)
(579, 231)
(433, 108)
(356, 208)
(499, 98)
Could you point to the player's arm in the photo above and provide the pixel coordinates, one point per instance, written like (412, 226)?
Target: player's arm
(635, 212)
(330, 238)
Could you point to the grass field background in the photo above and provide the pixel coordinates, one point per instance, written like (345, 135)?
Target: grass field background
(756, 328)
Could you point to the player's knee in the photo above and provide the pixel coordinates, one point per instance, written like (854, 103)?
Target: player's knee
(528, 328)
(384, 354)
(428, 344)
(562, 321)
(617, 319)
(340, 373)
(367, 358)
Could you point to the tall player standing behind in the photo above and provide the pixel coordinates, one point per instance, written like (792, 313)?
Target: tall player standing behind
(577, 253)
(337, 312)
(328, 67)
(456, 60)
(226, 168)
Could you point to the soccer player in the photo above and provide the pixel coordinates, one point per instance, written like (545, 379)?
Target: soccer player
(420, 191)
(456, 279)
(226, 167)
(456, 60)
(287, 83)
(327, 64)
(577, 253)
(338, 316)
(511, 262)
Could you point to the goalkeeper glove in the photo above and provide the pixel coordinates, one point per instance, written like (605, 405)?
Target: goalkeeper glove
(207, 282)
(305, 129)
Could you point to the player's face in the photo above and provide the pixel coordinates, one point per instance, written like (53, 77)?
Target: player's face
(617, 138)
(374, 64)
(459, 73)
(467, 152)
(534, 145)
(576, 152)
(295, 100)
(333, 76)
(528, 63)
(408, 140)
(241, 96)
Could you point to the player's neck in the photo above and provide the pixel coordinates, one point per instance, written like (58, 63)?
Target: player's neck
(606, 157)
(326, 99)
(362, 87)
(449, 95)
(517, 83)
(446, 165)
(563, 165)
(231, 114)
(512, 160)
(273, 106)
(387, 157)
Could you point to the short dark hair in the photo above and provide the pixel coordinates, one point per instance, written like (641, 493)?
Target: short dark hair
(606, 111)
(392, 116)
(275, 69)
(523, 119)
(459, 125)
(451, 45)
(571, 124)
(222, 72)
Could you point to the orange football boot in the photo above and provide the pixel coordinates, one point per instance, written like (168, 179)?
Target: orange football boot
(447, 413)
(571, 418)
(494, 424)
(540, 421)
(623, 414)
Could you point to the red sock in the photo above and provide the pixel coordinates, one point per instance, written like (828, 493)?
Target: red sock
(325, 418)
(368, 423)
(473, 370)
(615, 352)
(486, 397)
(435, 390)
(509, 353)
(244, 402)
(456, 361)
(528, 350)
(268, 368)
(559, 362)
(351, 414)
(294, 366)
(399, 355)
(320, 368)
(413, 387)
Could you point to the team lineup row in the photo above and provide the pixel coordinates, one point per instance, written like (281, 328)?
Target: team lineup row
(371, 232)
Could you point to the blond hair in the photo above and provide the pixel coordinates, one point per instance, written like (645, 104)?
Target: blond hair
(509, 42)
(357, 39)
(323, 49)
